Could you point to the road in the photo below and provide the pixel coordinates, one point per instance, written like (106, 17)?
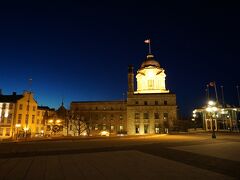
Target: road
(146, 157)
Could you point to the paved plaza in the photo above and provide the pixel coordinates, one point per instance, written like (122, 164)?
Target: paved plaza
(195, 156)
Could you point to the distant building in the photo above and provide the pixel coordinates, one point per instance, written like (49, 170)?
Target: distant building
(44, 113)
(217, 117)
(151, 109)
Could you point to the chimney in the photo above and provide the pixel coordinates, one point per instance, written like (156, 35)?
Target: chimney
(130, 79)
(14, 93)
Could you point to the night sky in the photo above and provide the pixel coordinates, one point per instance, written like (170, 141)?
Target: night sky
(81, 51)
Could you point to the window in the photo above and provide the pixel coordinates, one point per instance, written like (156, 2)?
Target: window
(157, 128)
(165, 102)
(145, 115)
(33, 118)
(112, 116)
(20, 106)
(1, 131)
(96, 127)
(9, 118)
(4, 106)
(136, 102)
(38, 113)
(156, 115)
(165, 116)
(112, 127)
(19, 118)
(70, 128)
(42, 122)
(27, 107)
(137, 115)
(96, 108)
(146, 128)
(104, 127)
(7, 132)
(10, 106)
(121, 127)
(121, 117)
(137, 129)
(37, 121)
(26, 120)
(156, 102)
(150, 84)
(145, 103)
(34, 108)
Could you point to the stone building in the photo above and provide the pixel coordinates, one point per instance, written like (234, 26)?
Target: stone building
(148, 110)
(151, 108)
(101, 116)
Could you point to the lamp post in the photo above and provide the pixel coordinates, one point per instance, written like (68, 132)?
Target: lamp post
(211, 108)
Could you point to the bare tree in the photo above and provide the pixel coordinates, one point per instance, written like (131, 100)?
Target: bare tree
(80, 124)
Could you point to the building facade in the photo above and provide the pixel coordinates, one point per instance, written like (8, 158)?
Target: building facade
(18, 115)
(151, 109)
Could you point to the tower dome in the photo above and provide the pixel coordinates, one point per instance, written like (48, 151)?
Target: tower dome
(150, 61)
(151, 77)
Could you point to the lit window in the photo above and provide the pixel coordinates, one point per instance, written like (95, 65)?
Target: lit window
(20, 106)
(1, 131)
(121, 127)
(165, 116)
(150, 84)
(137, 129)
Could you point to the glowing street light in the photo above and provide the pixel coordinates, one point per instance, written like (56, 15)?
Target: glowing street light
(212, 109)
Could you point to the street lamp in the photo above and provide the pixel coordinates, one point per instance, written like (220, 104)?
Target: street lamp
(212, 109)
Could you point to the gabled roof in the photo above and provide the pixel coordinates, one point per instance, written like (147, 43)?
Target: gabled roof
(10, 98)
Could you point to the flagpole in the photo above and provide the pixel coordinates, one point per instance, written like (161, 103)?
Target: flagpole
(207, 92)
(149, 47)
(223, 97)
(216, 91)
(238, 96)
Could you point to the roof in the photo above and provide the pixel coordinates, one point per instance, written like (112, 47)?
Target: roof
(43, 108)
(114, 101)
(10, 98)
(150, 61)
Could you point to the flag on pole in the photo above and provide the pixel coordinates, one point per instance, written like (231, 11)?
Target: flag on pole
(147, 41)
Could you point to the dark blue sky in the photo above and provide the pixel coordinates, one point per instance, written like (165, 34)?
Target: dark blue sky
(81, 51)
